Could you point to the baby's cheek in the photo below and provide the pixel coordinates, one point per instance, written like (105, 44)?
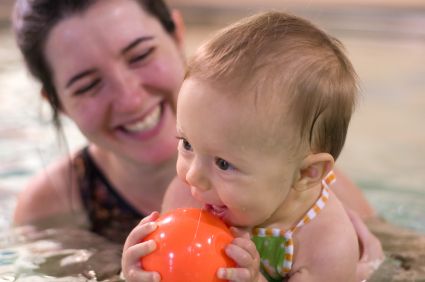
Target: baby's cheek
(181, 169)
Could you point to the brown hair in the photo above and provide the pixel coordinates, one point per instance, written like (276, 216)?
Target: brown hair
(34, 19)
(280, 57)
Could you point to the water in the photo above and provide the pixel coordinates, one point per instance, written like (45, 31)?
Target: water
(53, 255)
(385, 151)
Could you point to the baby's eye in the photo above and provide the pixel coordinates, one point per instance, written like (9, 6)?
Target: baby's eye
(223, 164)
(185, 144)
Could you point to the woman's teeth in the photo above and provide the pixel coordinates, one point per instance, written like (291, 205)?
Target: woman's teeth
(147, 123)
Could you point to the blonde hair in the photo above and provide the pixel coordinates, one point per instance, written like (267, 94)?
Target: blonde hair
(281, 57)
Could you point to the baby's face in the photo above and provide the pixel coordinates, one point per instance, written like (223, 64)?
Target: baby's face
(228, 156)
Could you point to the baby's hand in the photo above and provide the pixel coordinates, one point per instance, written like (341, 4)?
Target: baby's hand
(134, 250)
(371, 253)
(243, 251)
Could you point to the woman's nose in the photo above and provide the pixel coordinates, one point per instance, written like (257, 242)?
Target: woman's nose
(197, 176)
(129, 92)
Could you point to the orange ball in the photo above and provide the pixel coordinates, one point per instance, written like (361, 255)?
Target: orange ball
(190, 246)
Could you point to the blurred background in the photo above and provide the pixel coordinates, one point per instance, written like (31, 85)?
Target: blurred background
(385, 149)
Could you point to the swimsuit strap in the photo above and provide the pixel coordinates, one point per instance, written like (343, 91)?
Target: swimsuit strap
(320, 203)
(109, 213)
(276, 245)
(97, 173)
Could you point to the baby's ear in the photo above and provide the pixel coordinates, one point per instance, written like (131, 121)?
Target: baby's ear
(313, 169)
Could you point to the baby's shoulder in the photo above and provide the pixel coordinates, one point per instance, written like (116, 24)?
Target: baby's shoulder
(330, 224)
(325, 242)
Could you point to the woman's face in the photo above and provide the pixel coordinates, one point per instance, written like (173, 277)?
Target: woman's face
(117, 73)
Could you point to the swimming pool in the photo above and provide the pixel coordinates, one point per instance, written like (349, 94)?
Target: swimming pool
(54, 255)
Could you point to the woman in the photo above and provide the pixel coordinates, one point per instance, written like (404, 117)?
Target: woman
(114, 67)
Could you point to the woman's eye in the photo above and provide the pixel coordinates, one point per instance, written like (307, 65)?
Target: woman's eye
(87, 87)
(141, 57)
(223, 164)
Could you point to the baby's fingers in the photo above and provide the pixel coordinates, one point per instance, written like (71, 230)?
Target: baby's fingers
(239, 232)
(133, 250)
(235, 274)
(131, 261)
(134, 253)
(136, 275)
(145, 227)
(366, 269)
(243, 252)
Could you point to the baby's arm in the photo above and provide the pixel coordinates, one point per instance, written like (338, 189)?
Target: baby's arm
(371, 253)
(358, 210)
(243, 251)
(178, 195)
(134, 250)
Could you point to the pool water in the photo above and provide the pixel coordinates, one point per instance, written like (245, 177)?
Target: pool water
(54, 255)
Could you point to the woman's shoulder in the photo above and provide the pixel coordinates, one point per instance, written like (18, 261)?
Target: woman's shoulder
(51, 191)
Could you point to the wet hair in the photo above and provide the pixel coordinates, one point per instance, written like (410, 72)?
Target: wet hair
(34, 19)
(290, 63)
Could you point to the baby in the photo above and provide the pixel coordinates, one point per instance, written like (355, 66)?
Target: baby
(262, 115)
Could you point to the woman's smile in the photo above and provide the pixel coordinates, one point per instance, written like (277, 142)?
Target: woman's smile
(148, 122)
(147, 126)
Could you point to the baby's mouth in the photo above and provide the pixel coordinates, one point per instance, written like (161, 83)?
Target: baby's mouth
(147, 123)
(216, 210)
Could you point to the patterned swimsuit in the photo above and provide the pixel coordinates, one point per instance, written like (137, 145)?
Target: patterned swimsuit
(110, 215)
(276, 246)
